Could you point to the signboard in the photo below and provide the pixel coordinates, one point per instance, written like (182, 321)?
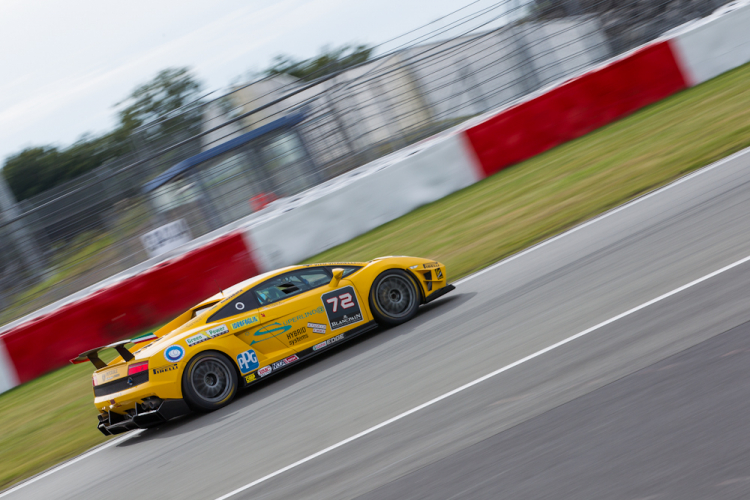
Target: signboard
(166, 238)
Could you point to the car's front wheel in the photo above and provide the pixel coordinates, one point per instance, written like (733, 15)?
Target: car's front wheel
(209, 381)
(394, 297)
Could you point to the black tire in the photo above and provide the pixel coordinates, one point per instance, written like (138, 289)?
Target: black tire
(394, 297)
(209, 382)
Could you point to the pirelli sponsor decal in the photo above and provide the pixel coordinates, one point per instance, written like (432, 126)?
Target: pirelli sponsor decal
(164, 369)
(431, 265)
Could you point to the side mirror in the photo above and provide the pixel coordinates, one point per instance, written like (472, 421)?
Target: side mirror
(338, 273)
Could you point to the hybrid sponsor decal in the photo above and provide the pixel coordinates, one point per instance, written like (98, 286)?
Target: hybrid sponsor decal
(280, 363)
(248, 361)
(317, 327)
(250, 320)
(342, 307)
(439, 273)
(264, 371)
(297, 336)
(317, 310)
(174, 353)
(196, 339)
(216, 331)
(431, 265)
(249, 378)
(164, 369)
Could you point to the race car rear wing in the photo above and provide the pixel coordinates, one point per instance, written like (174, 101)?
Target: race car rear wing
(93, 354)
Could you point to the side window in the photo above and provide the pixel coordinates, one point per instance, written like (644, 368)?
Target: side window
(290, 284)
(238, 305)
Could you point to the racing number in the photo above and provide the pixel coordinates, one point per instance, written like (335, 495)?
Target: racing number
(342, 307)
(346, 301)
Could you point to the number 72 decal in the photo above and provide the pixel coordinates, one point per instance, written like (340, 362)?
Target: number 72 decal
(342, 307)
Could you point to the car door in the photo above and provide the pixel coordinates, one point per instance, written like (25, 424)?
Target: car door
(291, 306)
(315, 314)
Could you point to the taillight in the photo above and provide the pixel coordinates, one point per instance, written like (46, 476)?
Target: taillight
(137, 368)
(93, 380)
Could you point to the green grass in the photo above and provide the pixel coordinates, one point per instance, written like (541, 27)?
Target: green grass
(52, 418)
(45, 422)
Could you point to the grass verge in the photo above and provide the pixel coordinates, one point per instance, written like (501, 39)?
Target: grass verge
(52, 418)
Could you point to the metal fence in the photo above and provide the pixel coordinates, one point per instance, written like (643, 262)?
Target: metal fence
(277, 136)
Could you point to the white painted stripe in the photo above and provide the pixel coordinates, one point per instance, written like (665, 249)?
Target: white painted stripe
(8, 375)
(483, 378)
(546, 242)
(61, 466)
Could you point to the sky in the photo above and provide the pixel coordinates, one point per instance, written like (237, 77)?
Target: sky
(65, 65)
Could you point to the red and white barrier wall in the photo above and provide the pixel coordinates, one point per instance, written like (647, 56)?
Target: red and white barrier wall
(359, 201)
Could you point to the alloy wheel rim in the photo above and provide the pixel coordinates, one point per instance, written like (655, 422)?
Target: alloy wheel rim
(210, 378)
(395, 296)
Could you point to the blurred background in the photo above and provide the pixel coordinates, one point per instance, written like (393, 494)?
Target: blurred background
(183, 159)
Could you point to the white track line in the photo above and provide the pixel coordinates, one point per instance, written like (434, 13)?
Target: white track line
(70, 462)
(479, 273)
(483, 378)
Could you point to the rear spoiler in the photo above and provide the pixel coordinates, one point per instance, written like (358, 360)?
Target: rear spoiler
(93, 354)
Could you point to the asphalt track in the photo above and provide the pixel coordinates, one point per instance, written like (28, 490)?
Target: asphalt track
(651, 405)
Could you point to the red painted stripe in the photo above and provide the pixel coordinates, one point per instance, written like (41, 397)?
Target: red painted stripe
(577, 107)
(127, 308)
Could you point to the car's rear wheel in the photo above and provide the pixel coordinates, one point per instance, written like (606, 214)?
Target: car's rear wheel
(394, 297)
(209, 381)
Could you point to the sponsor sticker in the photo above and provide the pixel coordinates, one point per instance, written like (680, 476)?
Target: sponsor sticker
(297, 336)
(291, 359)
(249, 378)
(278, 364)
(250, 320)
(174, 353)
(164, 369)
(342, 307)
(196, 339)
(248, 361)
(110, 375)
(317, 310)
(317, 327)
(264, 371)
(328, 342)
(216, 331)
(430, 265)
(319, 346)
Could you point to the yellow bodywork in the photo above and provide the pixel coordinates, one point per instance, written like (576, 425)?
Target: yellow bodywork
(256, 338)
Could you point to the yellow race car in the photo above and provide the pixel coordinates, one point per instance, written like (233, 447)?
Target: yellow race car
(251, 331)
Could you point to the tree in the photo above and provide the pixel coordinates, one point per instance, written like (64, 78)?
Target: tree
(167, 108)
(327, 62)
